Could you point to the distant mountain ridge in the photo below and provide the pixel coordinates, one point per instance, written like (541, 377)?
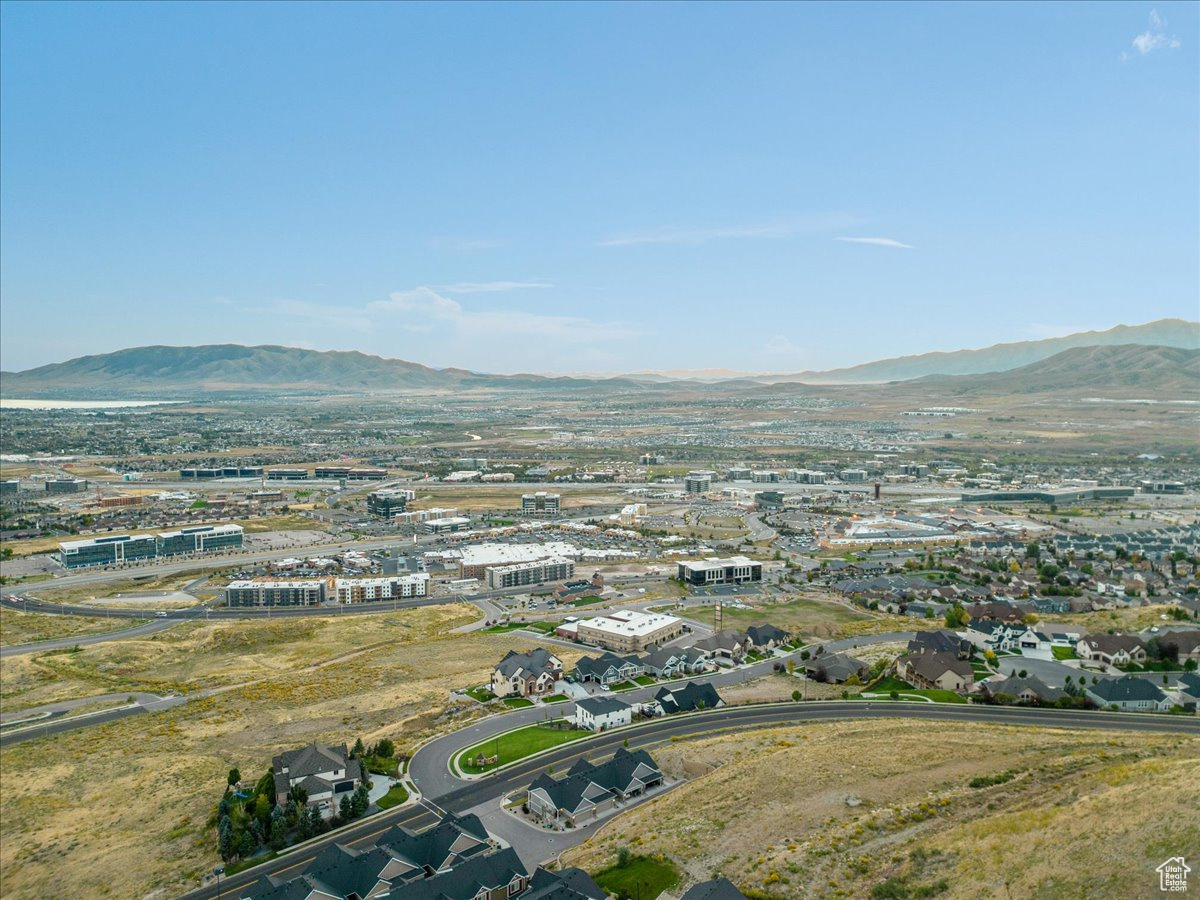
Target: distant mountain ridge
(162, 372)
(1000, 357)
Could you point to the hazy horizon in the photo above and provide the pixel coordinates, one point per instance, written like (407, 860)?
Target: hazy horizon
(594, 188)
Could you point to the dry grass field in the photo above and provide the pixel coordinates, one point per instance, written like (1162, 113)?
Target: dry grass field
(119, 810)
(1084, 814)
(80, 593)
(807, 614)
(17, 627)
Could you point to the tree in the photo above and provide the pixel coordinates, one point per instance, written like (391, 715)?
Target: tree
(278, 828)
(385, 748)
(1022, 674)
(291, 813)
(298, 795)
(234, 777)
(246, 845)
(796, 696)
(895, 695)
(358, 748)
(346, 808)
(266, 785)
(262, 810)
(956, 616)
(225, 838)
(623, 857)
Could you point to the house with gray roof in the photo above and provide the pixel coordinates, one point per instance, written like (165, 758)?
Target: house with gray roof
(326, 774)
(765, 638)
(1129, 693)
(716, 889)
(692, 696)
(529, 674)
(726, 647)
(936, 671)
(1030, 691)
(1113, 649)
(589, 789)
(569, 884)
(835, 668)
(671, 662)
(602, 713)
(608, 668)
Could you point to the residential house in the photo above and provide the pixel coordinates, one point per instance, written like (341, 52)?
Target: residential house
(588, 789)
(941, 641)
(1189, 684)
(726, 647)
(692, 696)
(926, 609)
(1033, 644)
(716, 889)
(766, 638)
(602, 713)
(325, 773)
(672, 662)
(526, 674)
(999, 612)
(608, 669)
(835, 667)
(1129, 692)
(1031, 691)
(994, 635)
(1180, 645)
(569, 884)
(1113, 649)
(944, 671)
(423, 854)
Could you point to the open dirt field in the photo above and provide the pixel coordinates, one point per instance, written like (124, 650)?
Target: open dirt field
(798, 614)
(120, 810)
(17, 627)
(1084, 814)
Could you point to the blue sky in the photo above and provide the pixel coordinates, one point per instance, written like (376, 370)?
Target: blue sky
(561, 187)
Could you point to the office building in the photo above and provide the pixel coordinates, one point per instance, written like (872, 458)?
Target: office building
(537, 572)
(388, 504)
(123, 500)
(276, 593)
(66, 485)
(201, 539)
(698, 482)
(1049, 495)
(652, 459)
(1161, 487)
(540, 504)
(367, 590)
(10, 486)
(760, 477)
(853, 476)
(110, 550)
(734, 570)
(739, 473)
(629, 631)
(287, 475)
(446, 525)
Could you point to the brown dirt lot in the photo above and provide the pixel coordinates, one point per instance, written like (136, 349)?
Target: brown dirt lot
(120, 810)
(1086, 814)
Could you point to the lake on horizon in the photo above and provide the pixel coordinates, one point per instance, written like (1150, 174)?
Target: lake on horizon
(7, 403)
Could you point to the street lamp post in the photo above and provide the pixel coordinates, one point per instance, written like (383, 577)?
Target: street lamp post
(219, 871)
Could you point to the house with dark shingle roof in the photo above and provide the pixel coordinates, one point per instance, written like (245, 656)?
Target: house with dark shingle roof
(589, 789)
(716, 889)
(727, 646)
(1113, 649)
(569, 884)
(1128, 692)
(1030, 691)
(692, 696)
(526, 674)
(325, 773)
(423, 854)
(608, 668)
(767, 637)
(602, 713)
(936, 671)
(669, 662)
(834, 667)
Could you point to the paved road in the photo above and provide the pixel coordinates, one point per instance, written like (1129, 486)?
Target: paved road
(84, 640)
(465, 795)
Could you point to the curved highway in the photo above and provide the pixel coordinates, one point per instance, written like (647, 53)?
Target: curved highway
(457, 795)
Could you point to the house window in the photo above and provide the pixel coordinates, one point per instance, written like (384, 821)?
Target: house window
(514, 888)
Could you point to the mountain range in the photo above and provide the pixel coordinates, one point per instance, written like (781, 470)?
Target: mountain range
(1159, 354)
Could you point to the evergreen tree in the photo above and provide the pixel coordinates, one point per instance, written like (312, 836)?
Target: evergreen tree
(278, 828)
(225, 838)
(246, 845)
(346, 808)
(234, 777)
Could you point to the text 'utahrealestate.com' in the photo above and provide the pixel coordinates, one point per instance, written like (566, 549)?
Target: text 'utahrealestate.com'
(599, 451)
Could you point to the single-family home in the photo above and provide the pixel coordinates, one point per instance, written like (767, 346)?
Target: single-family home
(325, 773)
(943, 640)
(1034, 644)
(692, 696)
(608, 668)
(423, 854)
(526, 674)
(766, 638)
(716, 889)
(930, 671)
(834, 667)
(1128, 692)
(1113, 649)
(589, 789)
(602, 713)
(1180, 646)
(670, 662)
(991, 634)
(726, 647)
(1031, 690)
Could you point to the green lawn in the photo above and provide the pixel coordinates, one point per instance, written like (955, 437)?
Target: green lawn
(646, 680)
(937, 696)
(891, 683)
(517, 702)
(482, 694)
(1064, 653)
(393, 797)
(503, 629)
(556, 698)
(642, 877)
(382, 765)
(517, 745)
(584, 601)
(623, 686)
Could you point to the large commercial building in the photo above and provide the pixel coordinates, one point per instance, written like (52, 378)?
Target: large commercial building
(66, 485)
(734, 570)
(698, 482)
(287, 475)
(630, 631)
(350, 473)
(10, 486)
(201, 539)
(388, 504)
(193, 474)
(417, 516)
(366, 590)
(107, 551)
(541, 503)
(276, 593)
(116, 549)
(477, 559)
(538, 572)
(446, 525)
(1050, 495)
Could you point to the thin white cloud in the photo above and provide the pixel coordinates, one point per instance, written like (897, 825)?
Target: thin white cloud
(1154, 38)
(488, 287)
(877, 241)
(701, 235)
(424, 309)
